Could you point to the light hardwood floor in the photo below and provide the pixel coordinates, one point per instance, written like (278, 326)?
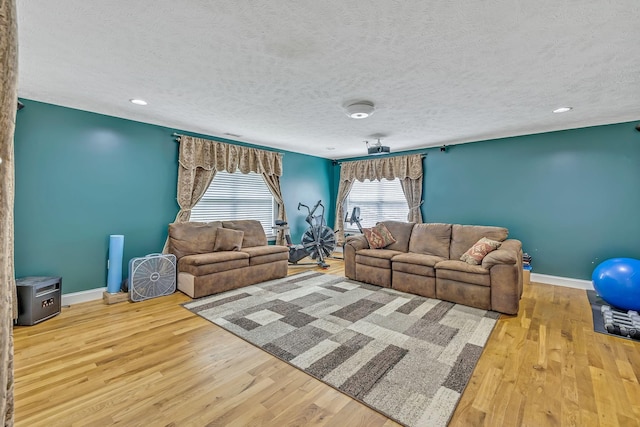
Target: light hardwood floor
(154, 363)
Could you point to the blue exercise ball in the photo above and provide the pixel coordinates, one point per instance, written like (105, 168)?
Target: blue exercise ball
(617, 281)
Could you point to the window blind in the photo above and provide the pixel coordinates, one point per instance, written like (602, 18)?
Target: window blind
(378, 201)
(237, 196)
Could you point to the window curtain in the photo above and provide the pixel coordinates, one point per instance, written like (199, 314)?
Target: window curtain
(8, 104)
(199, 159)
(406, 168)
(344, 187)
(412, 189)
(273, 183)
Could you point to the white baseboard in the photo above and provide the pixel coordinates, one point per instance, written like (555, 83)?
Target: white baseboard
(562, 281)
(95, 294)
(82, 296)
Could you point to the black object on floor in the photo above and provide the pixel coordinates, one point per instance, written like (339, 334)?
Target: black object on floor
(610, 320)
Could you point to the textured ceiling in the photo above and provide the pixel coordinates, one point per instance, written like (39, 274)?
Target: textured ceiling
(278, 73)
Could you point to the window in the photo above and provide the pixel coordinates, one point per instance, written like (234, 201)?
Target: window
(237, 196)
(378, 201)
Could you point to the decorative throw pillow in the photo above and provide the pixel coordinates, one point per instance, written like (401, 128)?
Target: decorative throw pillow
(475, 254)
(228, 240)
(191, 238)
(378, 236)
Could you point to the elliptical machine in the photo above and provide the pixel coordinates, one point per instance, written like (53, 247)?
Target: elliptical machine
(355, 217)
(318, 241)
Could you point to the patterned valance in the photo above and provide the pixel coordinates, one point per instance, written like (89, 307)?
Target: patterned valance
(219, 156)
(388, 167)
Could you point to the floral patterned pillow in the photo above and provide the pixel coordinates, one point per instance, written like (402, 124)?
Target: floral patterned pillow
(476, 253)
(378, 236)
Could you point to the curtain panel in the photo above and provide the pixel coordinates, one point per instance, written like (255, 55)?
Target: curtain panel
(412, 189)
(8, 300)
(198, 161)
(273, 183)
(408, 169)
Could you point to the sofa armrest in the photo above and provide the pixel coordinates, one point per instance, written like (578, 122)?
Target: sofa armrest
(357, 242)
(352, 245)
(505, 267)
(508, 253)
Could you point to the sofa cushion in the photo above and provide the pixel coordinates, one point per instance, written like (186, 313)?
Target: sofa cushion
(431, 239)
(266, 254)
(376, 257)
(419, 264)
(253, 232)
(401, 231)
(228, 240)
(476, 253)
(415, 269)
(212, 262)
(191, 238)
(379, 236)
(460, 271)
(418, 259)
(464, 236)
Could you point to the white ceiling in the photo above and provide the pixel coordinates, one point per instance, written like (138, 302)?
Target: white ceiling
(278, 73)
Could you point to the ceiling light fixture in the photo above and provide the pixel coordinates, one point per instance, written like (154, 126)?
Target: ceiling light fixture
(377, 148)
(562, 109)
(138, 101)
(360, 109)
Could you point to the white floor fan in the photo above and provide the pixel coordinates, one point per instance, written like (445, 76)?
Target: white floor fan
(152, 276)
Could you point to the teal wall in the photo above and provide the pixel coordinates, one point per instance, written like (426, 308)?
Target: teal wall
(82, 176)
(306, 180)
(571, 197)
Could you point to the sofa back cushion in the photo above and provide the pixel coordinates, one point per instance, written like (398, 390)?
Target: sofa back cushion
(401, 231)
(431, 239)
(228, 240)
(192, 238)
(253, 232)
(465, 236)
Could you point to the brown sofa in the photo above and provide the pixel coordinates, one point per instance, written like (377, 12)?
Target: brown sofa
(222, 255)
(425, 260)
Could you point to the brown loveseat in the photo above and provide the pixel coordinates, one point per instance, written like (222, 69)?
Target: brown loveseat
(425, 260)
(222, 255)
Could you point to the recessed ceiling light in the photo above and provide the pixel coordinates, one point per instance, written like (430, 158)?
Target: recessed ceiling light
(138, 101)
(360, 110)
(562, 109)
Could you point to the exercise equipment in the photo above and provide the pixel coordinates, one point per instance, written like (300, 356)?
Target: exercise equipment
(618, 322)
(355, 217)
(114, 263)
(296, 252)
(617, 281)
(318, 241)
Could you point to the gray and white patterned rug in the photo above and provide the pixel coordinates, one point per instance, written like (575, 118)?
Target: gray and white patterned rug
(403, 355)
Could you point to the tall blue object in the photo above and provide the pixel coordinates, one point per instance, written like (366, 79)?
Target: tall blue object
(114, 276)
(617, 281)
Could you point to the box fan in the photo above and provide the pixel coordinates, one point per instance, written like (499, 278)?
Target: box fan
(152, 276)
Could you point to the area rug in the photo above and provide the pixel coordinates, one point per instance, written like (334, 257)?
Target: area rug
(403, 355)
